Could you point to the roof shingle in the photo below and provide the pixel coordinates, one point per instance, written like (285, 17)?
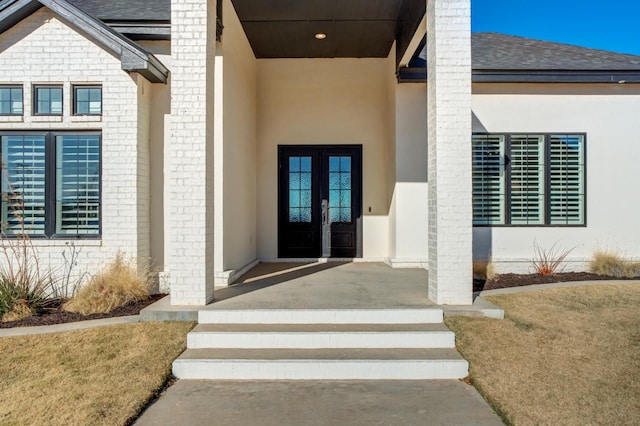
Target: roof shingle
(492, 51)
(126, 10)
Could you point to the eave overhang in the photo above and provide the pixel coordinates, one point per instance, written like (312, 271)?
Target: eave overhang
(133, 57)
(419, 75)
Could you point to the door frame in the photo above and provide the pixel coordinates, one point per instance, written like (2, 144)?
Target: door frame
(357, 195)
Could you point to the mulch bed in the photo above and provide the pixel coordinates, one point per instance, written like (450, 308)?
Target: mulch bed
(518, 280)
(57, 316)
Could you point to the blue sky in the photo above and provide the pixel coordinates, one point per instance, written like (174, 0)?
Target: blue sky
(608, 25)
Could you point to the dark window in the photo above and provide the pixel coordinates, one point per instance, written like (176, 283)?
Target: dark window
(47, 100)
(528, 179)
(11, 102)
(87, 100)
(300, 189)
(51, 184)
(340, 189)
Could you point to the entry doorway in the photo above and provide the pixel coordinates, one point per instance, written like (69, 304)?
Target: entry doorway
(320, 201)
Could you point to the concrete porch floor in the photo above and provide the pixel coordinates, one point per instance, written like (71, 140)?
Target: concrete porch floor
(330, 285)
(321, 285)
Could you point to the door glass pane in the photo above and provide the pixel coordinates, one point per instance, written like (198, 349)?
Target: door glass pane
(340, 189)
(300, 189)
(334, 164)
(294, 164)
(305, 164)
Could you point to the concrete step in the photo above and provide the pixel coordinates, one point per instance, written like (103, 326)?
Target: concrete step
(321, 316)
(320, 364)
(310, 336)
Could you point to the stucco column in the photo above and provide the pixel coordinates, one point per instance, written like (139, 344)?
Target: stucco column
(189, 173)
(449, 150)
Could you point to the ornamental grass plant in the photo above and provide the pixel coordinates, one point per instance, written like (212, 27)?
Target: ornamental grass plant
(120, 283)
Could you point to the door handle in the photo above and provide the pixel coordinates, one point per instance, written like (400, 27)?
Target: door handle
(325, 212)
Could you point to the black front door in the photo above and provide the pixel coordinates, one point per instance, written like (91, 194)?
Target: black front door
(320, 201)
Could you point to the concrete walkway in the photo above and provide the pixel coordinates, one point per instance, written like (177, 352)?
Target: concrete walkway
(333, 285)
(70, 326)
(281, 403)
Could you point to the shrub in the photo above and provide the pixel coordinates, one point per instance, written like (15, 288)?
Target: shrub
(483, 270)
(25, 295)
(118, 284)
(546, 262)
(25, 287)
(19, 311)
(613, 265)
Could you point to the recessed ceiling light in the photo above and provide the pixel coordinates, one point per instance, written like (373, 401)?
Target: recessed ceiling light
(321, 36)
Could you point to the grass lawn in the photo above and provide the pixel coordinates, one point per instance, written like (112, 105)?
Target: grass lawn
(568, 356)
(100, 376)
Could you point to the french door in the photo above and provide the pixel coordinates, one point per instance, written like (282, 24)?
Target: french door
(320, 201)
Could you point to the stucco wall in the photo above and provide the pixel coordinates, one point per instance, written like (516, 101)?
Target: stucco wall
(326, 102)
(159, 131)
(408, 224)
(239, 121)
(608, 114)
(42, 49)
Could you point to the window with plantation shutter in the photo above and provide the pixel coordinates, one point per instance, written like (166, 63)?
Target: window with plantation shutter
(77, 184)
(566, 179)
(50, 184)
(488, 179)
(23, 185)
(528, 179)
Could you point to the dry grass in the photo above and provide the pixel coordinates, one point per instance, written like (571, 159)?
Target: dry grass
(100, 376)
(614, 265)
(483, 270)
(119, 284)
(19, 311)
(562, 356)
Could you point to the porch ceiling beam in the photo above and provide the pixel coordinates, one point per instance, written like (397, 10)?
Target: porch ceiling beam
(412, 18)
(414, 44)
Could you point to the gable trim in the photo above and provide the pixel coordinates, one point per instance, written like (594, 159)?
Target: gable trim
(133, 57)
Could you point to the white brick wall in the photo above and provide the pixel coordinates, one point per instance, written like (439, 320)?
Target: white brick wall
(449, 153)
(189, 179)
(42, 49)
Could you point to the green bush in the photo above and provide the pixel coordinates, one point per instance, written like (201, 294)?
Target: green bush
(24, 292)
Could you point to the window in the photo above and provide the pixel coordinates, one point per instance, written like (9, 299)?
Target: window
(47, 100)
(340, 189)
(50, 184)
(528, 179)
(300, 189)
(87, 100)
(11, 100)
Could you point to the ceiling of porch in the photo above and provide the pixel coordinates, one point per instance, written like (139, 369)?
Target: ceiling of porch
(353, 28)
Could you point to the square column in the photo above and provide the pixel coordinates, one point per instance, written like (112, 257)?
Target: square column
(449, 151)
(189, 177)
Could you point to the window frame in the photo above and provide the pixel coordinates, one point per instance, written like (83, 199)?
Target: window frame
(34, 97)
(50, 184)
(546, 184)
(14, 86)
(74, 99)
